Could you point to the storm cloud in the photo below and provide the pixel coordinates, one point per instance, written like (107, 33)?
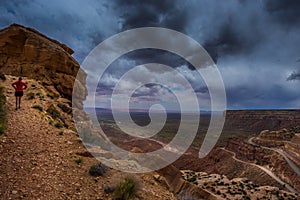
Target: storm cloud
(255, 44)
(294, 76)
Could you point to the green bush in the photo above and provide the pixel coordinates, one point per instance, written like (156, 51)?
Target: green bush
(221, 183)
(53, 112)
(50, 121)
(39, 107)
(51, 95)
(192, 179)
(1, 129)
(58, 125)
(64, 107)
(126, 188)
(79, 160)
(97, 170)
(40, 95)
(30, 95)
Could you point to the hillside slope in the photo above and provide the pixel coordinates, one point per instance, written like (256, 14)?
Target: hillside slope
(38, 160)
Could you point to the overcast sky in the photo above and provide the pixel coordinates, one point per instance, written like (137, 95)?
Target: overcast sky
(255, 44)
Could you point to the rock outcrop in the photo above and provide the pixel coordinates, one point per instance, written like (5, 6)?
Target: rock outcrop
(26, 52)
(282, 134)
(182, 188)
(249, 152)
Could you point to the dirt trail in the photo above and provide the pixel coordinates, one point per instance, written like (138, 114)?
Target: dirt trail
(281, 152)
(38, 160)
(269, 172)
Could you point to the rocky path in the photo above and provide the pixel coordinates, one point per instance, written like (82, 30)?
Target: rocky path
(38, 160)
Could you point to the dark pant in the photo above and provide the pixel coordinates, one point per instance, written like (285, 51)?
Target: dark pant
(18, 94)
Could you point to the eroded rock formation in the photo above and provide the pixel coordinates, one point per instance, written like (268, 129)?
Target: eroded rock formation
(26, 52)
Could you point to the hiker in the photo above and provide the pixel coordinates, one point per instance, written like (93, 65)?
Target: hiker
(19, 87)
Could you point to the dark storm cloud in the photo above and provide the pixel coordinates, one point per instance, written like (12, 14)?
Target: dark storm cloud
(80, 25)
(147, 55)
(168, 13)
(240, 96)
(230, 27)
(294, 76)
(227, 41)
(286, 12)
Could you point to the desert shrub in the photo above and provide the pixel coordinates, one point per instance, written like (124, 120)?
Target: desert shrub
(97, 169)
(61, 133)
(220, 183)
(1, 129)
(79, 160)
(51, 95)
(126, 188)
(39, 107)
(244, 192)
(40, 95)
(192, 179)
(2, 77)
(284, 194)
(51, 122)
(53, 112)
(64, 107)
(58, 125)
(108, 188)
(30, 95)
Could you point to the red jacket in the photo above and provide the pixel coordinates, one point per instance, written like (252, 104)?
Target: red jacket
(19, 86)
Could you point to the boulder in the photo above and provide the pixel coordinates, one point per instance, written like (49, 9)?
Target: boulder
(2, 77)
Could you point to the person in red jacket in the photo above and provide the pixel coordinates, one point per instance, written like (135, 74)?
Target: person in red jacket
(19, 88)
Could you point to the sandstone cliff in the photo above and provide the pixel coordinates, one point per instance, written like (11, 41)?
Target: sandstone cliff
(26, 52)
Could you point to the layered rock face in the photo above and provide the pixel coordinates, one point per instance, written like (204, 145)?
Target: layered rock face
(282, 134)
(26, 52)
(257, 120)
(249, 152)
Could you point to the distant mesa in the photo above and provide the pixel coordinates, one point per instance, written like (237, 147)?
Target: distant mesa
(258, 120)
